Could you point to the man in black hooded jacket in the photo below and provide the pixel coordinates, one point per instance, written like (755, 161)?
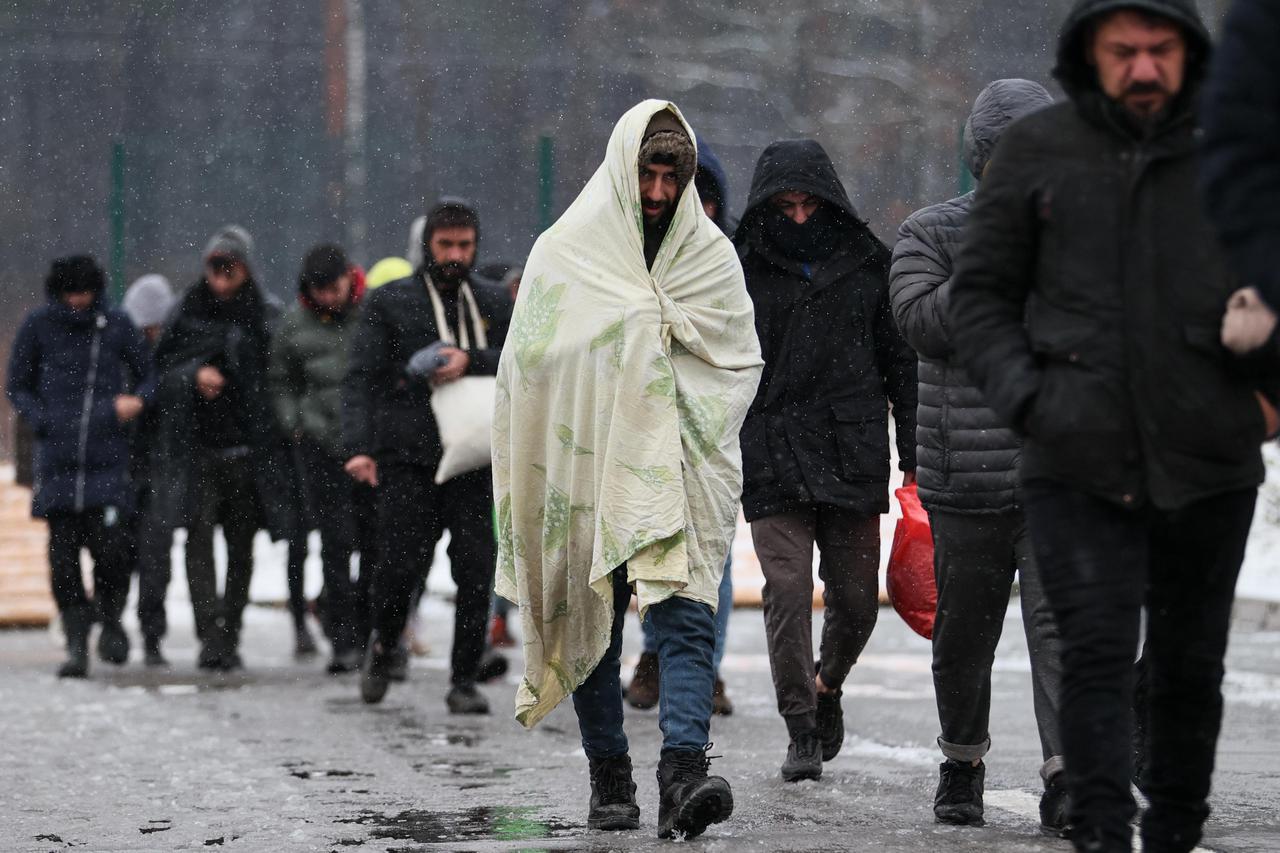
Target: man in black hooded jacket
(815, 444)
(1088, 305)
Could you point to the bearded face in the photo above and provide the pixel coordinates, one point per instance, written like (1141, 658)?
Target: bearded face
(453, 253)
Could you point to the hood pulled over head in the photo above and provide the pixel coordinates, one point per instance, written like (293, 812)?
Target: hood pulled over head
(999, 105)
(1077, 76)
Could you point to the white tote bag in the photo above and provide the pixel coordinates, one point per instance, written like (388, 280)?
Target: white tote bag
(463, 408)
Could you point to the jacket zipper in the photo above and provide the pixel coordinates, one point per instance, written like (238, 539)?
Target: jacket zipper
(87, 410)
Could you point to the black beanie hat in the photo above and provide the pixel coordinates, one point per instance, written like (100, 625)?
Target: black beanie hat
(322, 265)
(75, 274)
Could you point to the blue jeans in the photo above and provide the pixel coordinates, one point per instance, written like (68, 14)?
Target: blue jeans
(685, 633)
(723, 609)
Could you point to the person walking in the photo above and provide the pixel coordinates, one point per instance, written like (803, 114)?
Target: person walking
(1088, 306)
(79, 374)
(630, 480)
(968, 481)
(415, 334)
(815, 445)
(148, 302)
(309, 359)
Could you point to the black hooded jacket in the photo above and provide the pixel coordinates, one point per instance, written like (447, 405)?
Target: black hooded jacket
(817, 432)
(1090, 292)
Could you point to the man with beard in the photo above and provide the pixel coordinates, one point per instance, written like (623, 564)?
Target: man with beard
(416, 333)
(815, 445)
(616, 464)
(1088, 305)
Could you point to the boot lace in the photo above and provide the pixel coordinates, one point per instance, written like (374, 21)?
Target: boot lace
(692, 764)
(612, 779)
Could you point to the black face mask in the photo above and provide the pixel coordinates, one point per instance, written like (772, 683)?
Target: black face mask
(447, 275)
(816, 239)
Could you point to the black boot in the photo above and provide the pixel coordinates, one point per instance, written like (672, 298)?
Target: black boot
(466, 699)
(153, 656)
(375, 673)
(804, 758)
(613, 795)
(304, 645)
(113, 642)
(1055, 806)
(959, 796)
(690, 800)
(76, 626)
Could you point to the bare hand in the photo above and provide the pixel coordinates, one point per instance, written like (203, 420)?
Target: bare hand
(128, 407)
(363, 469)
(210, 382)
(908, 478)
(454, 368)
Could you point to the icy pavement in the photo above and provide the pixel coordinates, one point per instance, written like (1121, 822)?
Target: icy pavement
(285, 758)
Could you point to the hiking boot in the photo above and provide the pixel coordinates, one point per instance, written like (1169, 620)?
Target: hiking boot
(613, 795)
(499, 634)
(1055, 806)
(304, 645)
(374, 674)
(398, 670)
(346, 660)
(830, 718)
(493, 665)
(113, 642)
(152, 656)
(688, 799)
(959, 796)
(804, 758)
(642, 693)
(720, 703)
(76, 627)
(466, 699)
(210, 656)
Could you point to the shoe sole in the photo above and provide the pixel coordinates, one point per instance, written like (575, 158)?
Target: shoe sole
(701, 810)
(615, 823)
(809, 775)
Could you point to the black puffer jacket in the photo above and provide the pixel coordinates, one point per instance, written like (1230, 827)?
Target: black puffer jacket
(967, 456)
(1090, 293)
(818, 431)
(385, 414)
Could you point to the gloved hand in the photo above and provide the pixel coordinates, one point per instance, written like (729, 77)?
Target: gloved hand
(1248, 323)
(425, 362)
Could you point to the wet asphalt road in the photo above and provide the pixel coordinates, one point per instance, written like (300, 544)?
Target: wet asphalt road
(286, 758)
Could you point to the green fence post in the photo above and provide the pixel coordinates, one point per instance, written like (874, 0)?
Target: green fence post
(117, 220)
(546, 181)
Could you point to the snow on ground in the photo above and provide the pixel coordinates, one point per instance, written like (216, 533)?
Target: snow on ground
(1260, 575)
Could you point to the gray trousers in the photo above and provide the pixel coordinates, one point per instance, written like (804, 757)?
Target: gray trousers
(850, 549)
(975, 559)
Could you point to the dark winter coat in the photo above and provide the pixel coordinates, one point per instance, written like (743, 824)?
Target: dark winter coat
(385, 413)
(1090, 293)
(818, 432)
(309, 357)
(65, 372)
(1241, 165)
(234, 337)
(967, 457)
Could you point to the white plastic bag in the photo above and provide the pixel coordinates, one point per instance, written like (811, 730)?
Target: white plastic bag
(464, 416)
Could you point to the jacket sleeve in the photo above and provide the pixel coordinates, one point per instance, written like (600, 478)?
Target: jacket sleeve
(1241, 165)
(897, 365)
(370, 351)
(22, 387)
(283, 381)
(920, 290)
(141, 365)
(497, 309)
(993, 278)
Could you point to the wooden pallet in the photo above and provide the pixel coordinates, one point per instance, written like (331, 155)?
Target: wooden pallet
(25, 597)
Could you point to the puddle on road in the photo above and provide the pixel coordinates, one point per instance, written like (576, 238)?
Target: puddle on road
(303, 770)
(500, 823)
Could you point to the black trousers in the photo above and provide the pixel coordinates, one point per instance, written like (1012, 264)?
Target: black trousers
(975, 559)
(1100, 563)
(344, 512)
(412, 513)
(152, 543)
(106, 537)
(228, 498)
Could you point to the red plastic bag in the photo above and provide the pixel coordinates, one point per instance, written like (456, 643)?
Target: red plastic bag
(912, 588)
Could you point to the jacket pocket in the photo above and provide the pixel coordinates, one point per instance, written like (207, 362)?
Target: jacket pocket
(862, 438)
